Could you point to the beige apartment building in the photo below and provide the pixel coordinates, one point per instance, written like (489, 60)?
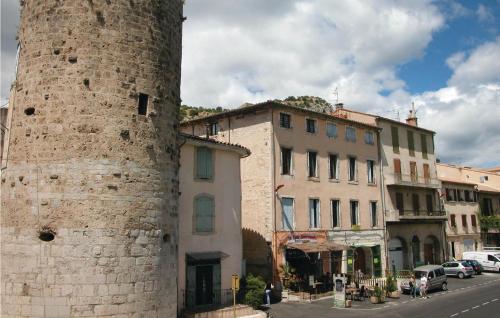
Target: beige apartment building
(486, 196)
(413, 213)
(460, 201)
(210, 235)
(311, 195)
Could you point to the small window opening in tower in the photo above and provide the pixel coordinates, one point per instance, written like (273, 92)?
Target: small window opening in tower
(46, 235)
(29, 111)
(143, 104)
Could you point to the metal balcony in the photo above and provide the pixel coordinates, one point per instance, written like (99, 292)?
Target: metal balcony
(410, 180)
(421, 215)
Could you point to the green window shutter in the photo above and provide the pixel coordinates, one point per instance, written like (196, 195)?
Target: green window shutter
(204, 214)
(411, 143)
(395, 139)
(377, 261)
(204, 163)
(350, 260)
(423, 140)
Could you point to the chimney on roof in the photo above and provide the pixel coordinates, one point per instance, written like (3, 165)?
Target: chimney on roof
(412, 116)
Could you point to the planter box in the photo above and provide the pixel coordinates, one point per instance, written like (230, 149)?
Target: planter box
(394, 294)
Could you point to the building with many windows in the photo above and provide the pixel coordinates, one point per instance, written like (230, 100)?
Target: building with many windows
(210, 237)
(311, 195)
(414, 216)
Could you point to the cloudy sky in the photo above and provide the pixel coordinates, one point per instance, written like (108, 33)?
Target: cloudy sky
(381, 56)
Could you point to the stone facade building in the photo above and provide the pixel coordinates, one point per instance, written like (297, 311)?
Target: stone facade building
(414, 216)
(310, 188)
(89, 185)
(210, 234)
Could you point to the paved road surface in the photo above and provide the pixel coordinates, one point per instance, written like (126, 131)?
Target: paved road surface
(468, 298)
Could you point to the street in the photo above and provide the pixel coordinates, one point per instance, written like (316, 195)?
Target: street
(474, 297)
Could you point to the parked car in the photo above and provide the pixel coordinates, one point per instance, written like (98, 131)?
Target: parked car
(478, 268)
(435, 275)
(461, 269)
(490, 260)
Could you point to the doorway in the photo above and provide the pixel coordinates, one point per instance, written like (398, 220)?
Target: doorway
(204, 285)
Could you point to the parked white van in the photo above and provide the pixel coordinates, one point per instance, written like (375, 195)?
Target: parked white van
(490, 260)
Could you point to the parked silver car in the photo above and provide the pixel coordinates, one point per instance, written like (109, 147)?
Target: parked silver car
(436, 278)
(461, 269)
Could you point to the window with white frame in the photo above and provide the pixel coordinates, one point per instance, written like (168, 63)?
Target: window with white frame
(370, 166)
(354, 212)
(350, 134)
(314, 222)
(333, 167)
(331, 130)
(335, 206)
(204, 214)
(312, 164)
(288, 213)
(352, 169)
(373, 213)
(311, 125)
(369, 138)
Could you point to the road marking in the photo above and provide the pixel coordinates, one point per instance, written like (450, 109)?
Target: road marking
(494, 299)
(486, 303)
(465, 310)
(404, 302)
(475, 307)
(456, 314)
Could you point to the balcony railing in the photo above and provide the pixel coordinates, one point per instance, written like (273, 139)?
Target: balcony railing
(422, 214)
(412, 180)
(219, 298)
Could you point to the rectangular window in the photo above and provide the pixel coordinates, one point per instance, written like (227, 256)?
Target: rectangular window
(453, 221)
(354, 213)
(474, 196)
(142, 106)
(423, 140)
(473, 220)
(467, 195)
(286, 161)
(288, 213)
(213, 129)
(464, 220)
(350, 134)
(449, 194)
(369, 139)
(331, 130)
(204, 163)
(311, 125)
(285, 120)
(204, 214)
(397, 170)
(333, 171)
(411, 143)
(395, 139)
(371, 171)
(427, 173)
(335, 204)
(487, 207)
(373, 213)
(429, 203)
(400, 203)
(312, 165)
(461, 196)
(314, 214)
(413, 171)
(352, 169)
(415, 199)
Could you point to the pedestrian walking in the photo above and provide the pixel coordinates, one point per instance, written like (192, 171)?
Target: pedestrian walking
(423, 286)
(413, 287)
(269, 287)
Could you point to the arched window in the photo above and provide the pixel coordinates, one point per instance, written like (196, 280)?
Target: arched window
(204, 214)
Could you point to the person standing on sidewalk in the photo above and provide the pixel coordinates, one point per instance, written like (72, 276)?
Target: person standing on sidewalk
(413, 287)
(423, 286)
(268, 290)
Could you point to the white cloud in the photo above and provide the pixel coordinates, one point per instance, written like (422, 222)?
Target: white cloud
(484, 14)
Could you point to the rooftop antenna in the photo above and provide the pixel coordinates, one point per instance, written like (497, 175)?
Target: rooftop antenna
(336, 93)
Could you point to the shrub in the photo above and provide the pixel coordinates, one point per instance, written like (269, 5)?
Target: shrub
(390, 284)
(255, 291)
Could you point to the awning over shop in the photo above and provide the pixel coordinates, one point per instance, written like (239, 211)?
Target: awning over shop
(312, 247)
(202, 256)
(364, 244)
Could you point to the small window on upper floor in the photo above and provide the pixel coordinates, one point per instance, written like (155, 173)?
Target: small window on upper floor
(350, 134)
(369, 138)
(204, 214)
(142, 107)
(311, 125)
(285, 120)
(213, 129)
(331, 130)
(204, 163)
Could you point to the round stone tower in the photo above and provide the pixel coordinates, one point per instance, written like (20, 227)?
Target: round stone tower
(89, 183)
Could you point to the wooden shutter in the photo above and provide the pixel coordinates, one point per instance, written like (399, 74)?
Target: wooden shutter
(413, 171)
(423, 139)
(204, 163)
(287, 214)
(427, 173)
(395, 139)
(204, 214)
(411, 143)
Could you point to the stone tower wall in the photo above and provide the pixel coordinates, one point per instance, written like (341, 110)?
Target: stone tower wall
(85, 166)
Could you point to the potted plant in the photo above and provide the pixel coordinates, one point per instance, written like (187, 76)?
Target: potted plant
(378, 296)
(391, 287)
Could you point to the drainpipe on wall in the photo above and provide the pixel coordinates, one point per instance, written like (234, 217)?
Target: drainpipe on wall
(273, 186)
(382, 194)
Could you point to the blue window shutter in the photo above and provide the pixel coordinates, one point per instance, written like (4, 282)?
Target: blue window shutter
(204, 163)
(287, 214)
